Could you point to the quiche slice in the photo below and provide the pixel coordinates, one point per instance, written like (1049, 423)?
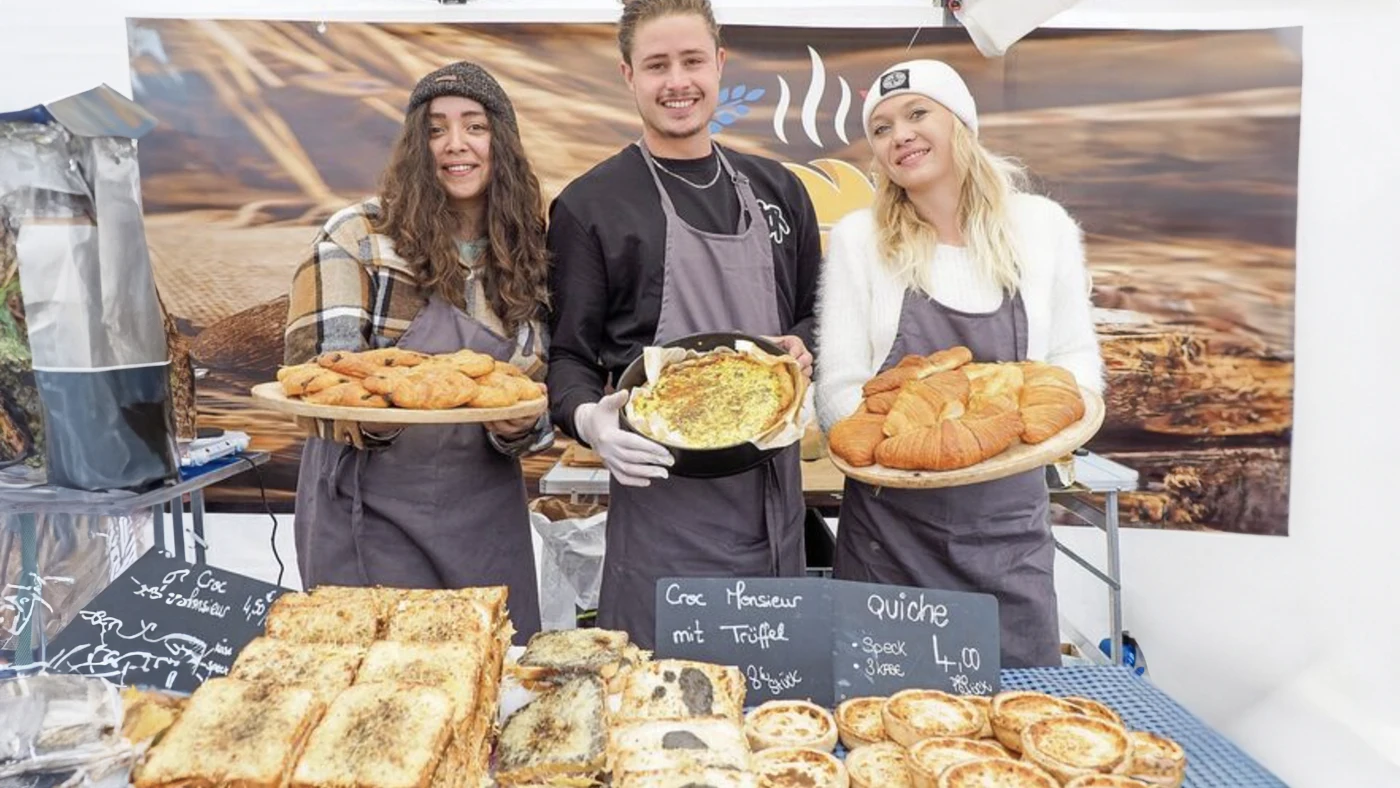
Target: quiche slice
(716, 400)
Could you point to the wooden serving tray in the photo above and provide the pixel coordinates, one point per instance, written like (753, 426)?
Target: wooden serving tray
(270, 396)
(1018, 458)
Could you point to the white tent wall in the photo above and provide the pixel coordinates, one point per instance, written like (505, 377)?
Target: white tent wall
(1289, 646)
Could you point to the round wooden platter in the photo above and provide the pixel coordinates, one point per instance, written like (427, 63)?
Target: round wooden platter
(1020, 457)
(270, 396)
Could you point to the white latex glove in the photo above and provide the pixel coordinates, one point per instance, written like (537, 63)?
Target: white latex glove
(631, 459)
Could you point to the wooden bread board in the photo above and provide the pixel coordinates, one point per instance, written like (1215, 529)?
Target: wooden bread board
(270, 396)
(1017, 459)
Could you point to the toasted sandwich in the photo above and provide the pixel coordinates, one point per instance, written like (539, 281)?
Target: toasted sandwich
(563, 654)
(232, 732)
(680, 689)
(454, 668)
(323, 668)
(657, 745)
(379, 735)
(303, 618)
(557, 739)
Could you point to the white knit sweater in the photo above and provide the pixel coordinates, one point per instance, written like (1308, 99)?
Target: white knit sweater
(859, 303)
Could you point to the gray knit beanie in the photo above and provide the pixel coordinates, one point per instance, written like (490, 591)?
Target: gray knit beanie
(467, 80)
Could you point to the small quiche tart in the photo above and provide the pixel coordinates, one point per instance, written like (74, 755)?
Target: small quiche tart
(929, 758)
(1073, 745)
(914, 714)
(879, 765)
(790, 723)
(984, 705)
(995, 773)
(1012, 711)
(1093, 708)
(798, 767)
(859, 721)
(1104, 781)
(1156, 760)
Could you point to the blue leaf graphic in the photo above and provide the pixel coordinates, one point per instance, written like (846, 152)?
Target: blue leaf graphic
(715, 128)
(737, 91)
(726, 117)
(723, 95)
(741, 110)
(754, 95)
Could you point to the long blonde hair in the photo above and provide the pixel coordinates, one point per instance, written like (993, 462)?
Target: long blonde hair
(905, 241)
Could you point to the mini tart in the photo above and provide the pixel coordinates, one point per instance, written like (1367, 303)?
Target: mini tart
(931, 757)
(859, 721)
(914, 714)
(798, 767)
(1074, 745)
(790, 723)
(1093, 708)
(984, 705)
(880, 765)
(1156, 760)
(995, 773)
(1013, 711)
(1104, 781)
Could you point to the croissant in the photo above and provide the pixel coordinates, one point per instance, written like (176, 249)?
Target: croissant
(1050, 401)
(923, 403)
(855, 437)
(941, 412)
(916, 367)
(434, 388)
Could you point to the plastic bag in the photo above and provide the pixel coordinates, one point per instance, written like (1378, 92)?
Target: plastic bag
(571, 563)
(96, 336)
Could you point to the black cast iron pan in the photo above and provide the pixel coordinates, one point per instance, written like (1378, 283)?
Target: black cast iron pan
(704, 463)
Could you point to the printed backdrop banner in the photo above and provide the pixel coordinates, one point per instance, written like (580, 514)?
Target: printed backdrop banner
(1176, 151)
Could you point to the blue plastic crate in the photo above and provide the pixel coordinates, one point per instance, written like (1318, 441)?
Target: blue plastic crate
(1211, 760)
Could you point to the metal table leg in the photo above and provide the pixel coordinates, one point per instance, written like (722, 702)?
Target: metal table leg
(27, 601)
(177, 526)
(1115, 589)
(197, 514)
(158, 526)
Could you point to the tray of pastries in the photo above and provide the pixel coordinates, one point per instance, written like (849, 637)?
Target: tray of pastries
(397, 386)
(943, 421)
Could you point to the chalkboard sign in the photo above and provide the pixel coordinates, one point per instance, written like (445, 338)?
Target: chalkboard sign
(776, 630)
(890, 638)
(828, 640)
(164, 623)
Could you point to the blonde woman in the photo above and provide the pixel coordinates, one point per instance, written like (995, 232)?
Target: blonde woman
(952, 253)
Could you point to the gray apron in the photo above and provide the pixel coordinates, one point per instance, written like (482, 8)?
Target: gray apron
(436, 508)
(993, 537)
(747, 525)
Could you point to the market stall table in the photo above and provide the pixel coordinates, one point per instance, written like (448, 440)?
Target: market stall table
(21, 506)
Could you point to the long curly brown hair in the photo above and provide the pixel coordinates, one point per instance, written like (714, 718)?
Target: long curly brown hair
(416, 214)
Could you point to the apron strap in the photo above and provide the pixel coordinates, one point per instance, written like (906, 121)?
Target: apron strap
(357, 504)
(773, 512)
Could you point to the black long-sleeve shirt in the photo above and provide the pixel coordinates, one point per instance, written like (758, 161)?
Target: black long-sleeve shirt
(607, 235)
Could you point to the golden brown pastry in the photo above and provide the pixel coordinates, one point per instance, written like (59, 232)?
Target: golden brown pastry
(495, 390)
(1156, 760)
(1073, 745)
(930, 757)
(432, 389)
(927, 402)
(984, 706)
(880, 765)
(1104, 781)
(468, 362)
(1093, 708)
(859, 722)
(364, 363)
(352, 394)
(383, 380)
(1013, 710)
(995, 773)
(790, 723)
(1050, 401)
(303, 379)
(798, 767)
(855, 437)
(882, 402)
(915, 714)
(915, 368)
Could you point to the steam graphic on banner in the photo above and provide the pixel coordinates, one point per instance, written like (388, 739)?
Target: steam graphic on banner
(810, 104)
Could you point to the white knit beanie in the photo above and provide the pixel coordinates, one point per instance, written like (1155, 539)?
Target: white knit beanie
(932, 78)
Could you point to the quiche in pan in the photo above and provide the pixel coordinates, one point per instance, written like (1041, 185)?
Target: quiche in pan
(718, 399)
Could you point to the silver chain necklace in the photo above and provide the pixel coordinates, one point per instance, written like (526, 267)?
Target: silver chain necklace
(719, 168)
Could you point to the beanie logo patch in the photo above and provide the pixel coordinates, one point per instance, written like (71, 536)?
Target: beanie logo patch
(895, 80)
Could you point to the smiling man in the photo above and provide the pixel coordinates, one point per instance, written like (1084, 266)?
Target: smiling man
(676, 235)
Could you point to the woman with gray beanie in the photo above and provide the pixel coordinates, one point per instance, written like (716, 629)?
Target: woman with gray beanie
(448, 255)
